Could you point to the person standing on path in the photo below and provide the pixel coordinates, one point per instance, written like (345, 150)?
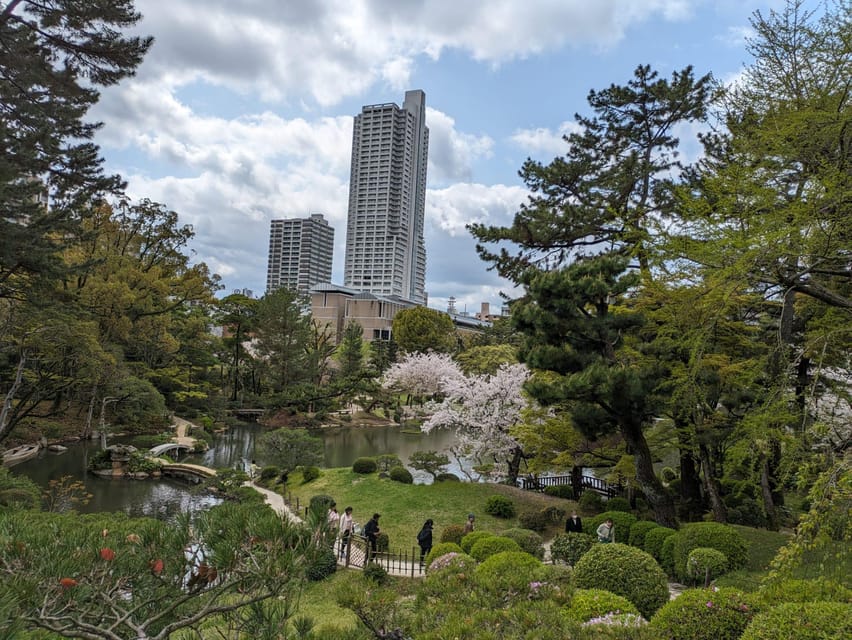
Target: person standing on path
(371, 532)
(574, 524)
(346, 527)
(469, 526)
(424, 539)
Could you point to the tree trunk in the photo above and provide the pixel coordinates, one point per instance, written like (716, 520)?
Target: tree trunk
(514, 466)
(766, 492)
(711, 486)
(690, 485)
(658, 497)
(10, 395)
(87, 430)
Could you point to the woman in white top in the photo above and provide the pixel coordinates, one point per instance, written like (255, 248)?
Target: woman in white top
(346, 529)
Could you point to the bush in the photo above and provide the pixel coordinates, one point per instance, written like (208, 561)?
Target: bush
(447, 574)
(667, 474)
(622, 521)
(595, 603)
(553, 514)
(388, 461)
(802, 621)
(500, 507)
(667, 555)
(364, 466)
(590, 501)
(618, 504)
(441, 549)
(248, 494)
(452, 533)
(638, 530)
(565, 491)
(654, 541)
(309, 473)
(320, 503)
(509, 571)
(401, 474)
(382, 542)
(527, 540)
(375, 572)
(817, 590)
(269, 473)
(714, 535)
(626, 571)
(705, 614)
(472, 538)
(447, 477)
(703, 564)
(487, 547)
(570, 547)
(322, 565)
(534, 520)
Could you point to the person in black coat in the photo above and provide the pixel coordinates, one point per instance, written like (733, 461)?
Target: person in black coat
(371, 532)
(574, 524)
(424, 539)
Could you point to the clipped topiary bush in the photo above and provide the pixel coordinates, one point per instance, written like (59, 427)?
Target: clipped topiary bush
(667, 555)
(322, 565)
(440, 549)
(375, 572)
(703, 564)
(527, 540)
(654, 540)
(320, 503)
(570, 547)
(618, 504)
(594, 603)
(565, 491)
(401, 474)
(590, 501)
(452, 533)
(622, 521)
(487, 547)
(816, 590)
(509, 571)
(500, 507)
(309, 473)
(624, 570)
(382, 542)
(534, 520)
(269, 473)
(714, 535)
(447, 477)
(802, 621)
(637, 533)
(705, 614)
(472, 538)
(364, 466)
(448, 574)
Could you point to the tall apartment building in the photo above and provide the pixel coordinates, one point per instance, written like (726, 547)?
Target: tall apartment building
(385, 250)
(300, 253)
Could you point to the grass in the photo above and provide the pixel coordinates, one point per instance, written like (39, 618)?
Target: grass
(762, 547)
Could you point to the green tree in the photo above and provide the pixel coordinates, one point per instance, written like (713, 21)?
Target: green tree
(351, 350)
(238, 315)
(431, 462)
(486, 359)
(289, 448)
(421, 329)
(283, 333)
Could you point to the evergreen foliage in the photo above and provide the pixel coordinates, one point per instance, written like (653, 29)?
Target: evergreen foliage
(705, 614)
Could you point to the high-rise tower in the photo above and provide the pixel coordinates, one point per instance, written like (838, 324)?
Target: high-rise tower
(300, 253)
(385, 250)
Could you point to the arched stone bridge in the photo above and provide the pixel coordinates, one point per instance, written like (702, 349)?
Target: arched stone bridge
(160, 449)
(193, 472)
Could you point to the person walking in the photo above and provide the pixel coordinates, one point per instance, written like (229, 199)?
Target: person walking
(606, 532)
(347, 526)
(424, 539)
(469, 526)
(574, 524)
(371, 532)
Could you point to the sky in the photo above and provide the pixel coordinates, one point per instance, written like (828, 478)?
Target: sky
(242, 111)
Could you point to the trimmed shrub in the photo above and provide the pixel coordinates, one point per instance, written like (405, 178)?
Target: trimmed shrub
(19, 498)
(387, 461)
(565, 491)
(817, 590)
(248, 494)
(500, 507)
(534, 520)
(638, 531)
(440, 549)
(705, 614)
(472, 538)
(452, 533)
(447, 477)
(322, 565)
(448, 574)
(590, 501)
(320, 503)
(364, 466)
(269, 473)
(595, 603)
(618, 504)
(487, 547)
(570, 547)
(654, 540)
(382, 542)
(310, 473)
(527, 540)
(401, 474)
(509, 571)
(626, 571)
(714, 535)
(622, 521)
(802, 621)
(667, 555)
(553, 514)
(375, 572)
(703, 564)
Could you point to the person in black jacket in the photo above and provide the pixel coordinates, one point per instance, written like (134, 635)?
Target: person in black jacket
(424, 539)
(371, 532)
(574, 524)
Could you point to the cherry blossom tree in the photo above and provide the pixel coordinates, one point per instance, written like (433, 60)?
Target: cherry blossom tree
(422, 375)
(483, 410)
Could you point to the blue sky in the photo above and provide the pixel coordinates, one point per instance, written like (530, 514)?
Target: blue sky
(242, 111)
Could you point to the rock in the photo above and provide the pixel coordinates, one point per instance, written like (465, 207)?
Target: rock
(57, 448)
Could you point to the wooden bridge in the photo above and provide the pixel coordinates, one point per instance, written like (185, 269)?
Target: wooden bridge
(192, 472)
(247, 414)
(578, 483)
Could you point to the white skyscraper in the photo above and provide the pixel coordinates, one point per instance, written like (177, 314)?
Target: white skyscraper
(300, 253)
(385, 251)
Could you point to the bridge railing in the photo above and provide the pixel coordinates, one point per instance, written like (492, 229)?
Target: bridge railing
(540, 483)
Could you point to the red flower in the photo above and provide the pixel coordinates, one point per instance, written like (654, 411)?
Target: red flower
(67, 583)
(157, 566)
(107, 554)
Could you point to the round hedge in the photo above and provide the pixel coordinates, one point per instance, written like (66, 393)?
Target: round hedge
(802, 621)
(590, 501)
(817, 590)
(447, 477)
(472, 538)
(488, 547)
(638, 531)
(527, 540)
(564, 491)
(364, 466)
(509, 571)
(626, 571)
(401, 474)
(320, 503)
(654, 540)
(447, 575)
(322, 565)
(667, 555)
(704, 564)
(622, 521)
(452, 533)
(500, 507)
(570, 547)
(618, 504)
(714, 535)
(705, 614)
(440, 549)
(308, 474)
(594, 603)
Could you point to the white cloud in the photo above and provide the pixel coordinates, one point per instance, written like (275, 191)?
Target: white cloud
(451, 152)
(543, 141)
